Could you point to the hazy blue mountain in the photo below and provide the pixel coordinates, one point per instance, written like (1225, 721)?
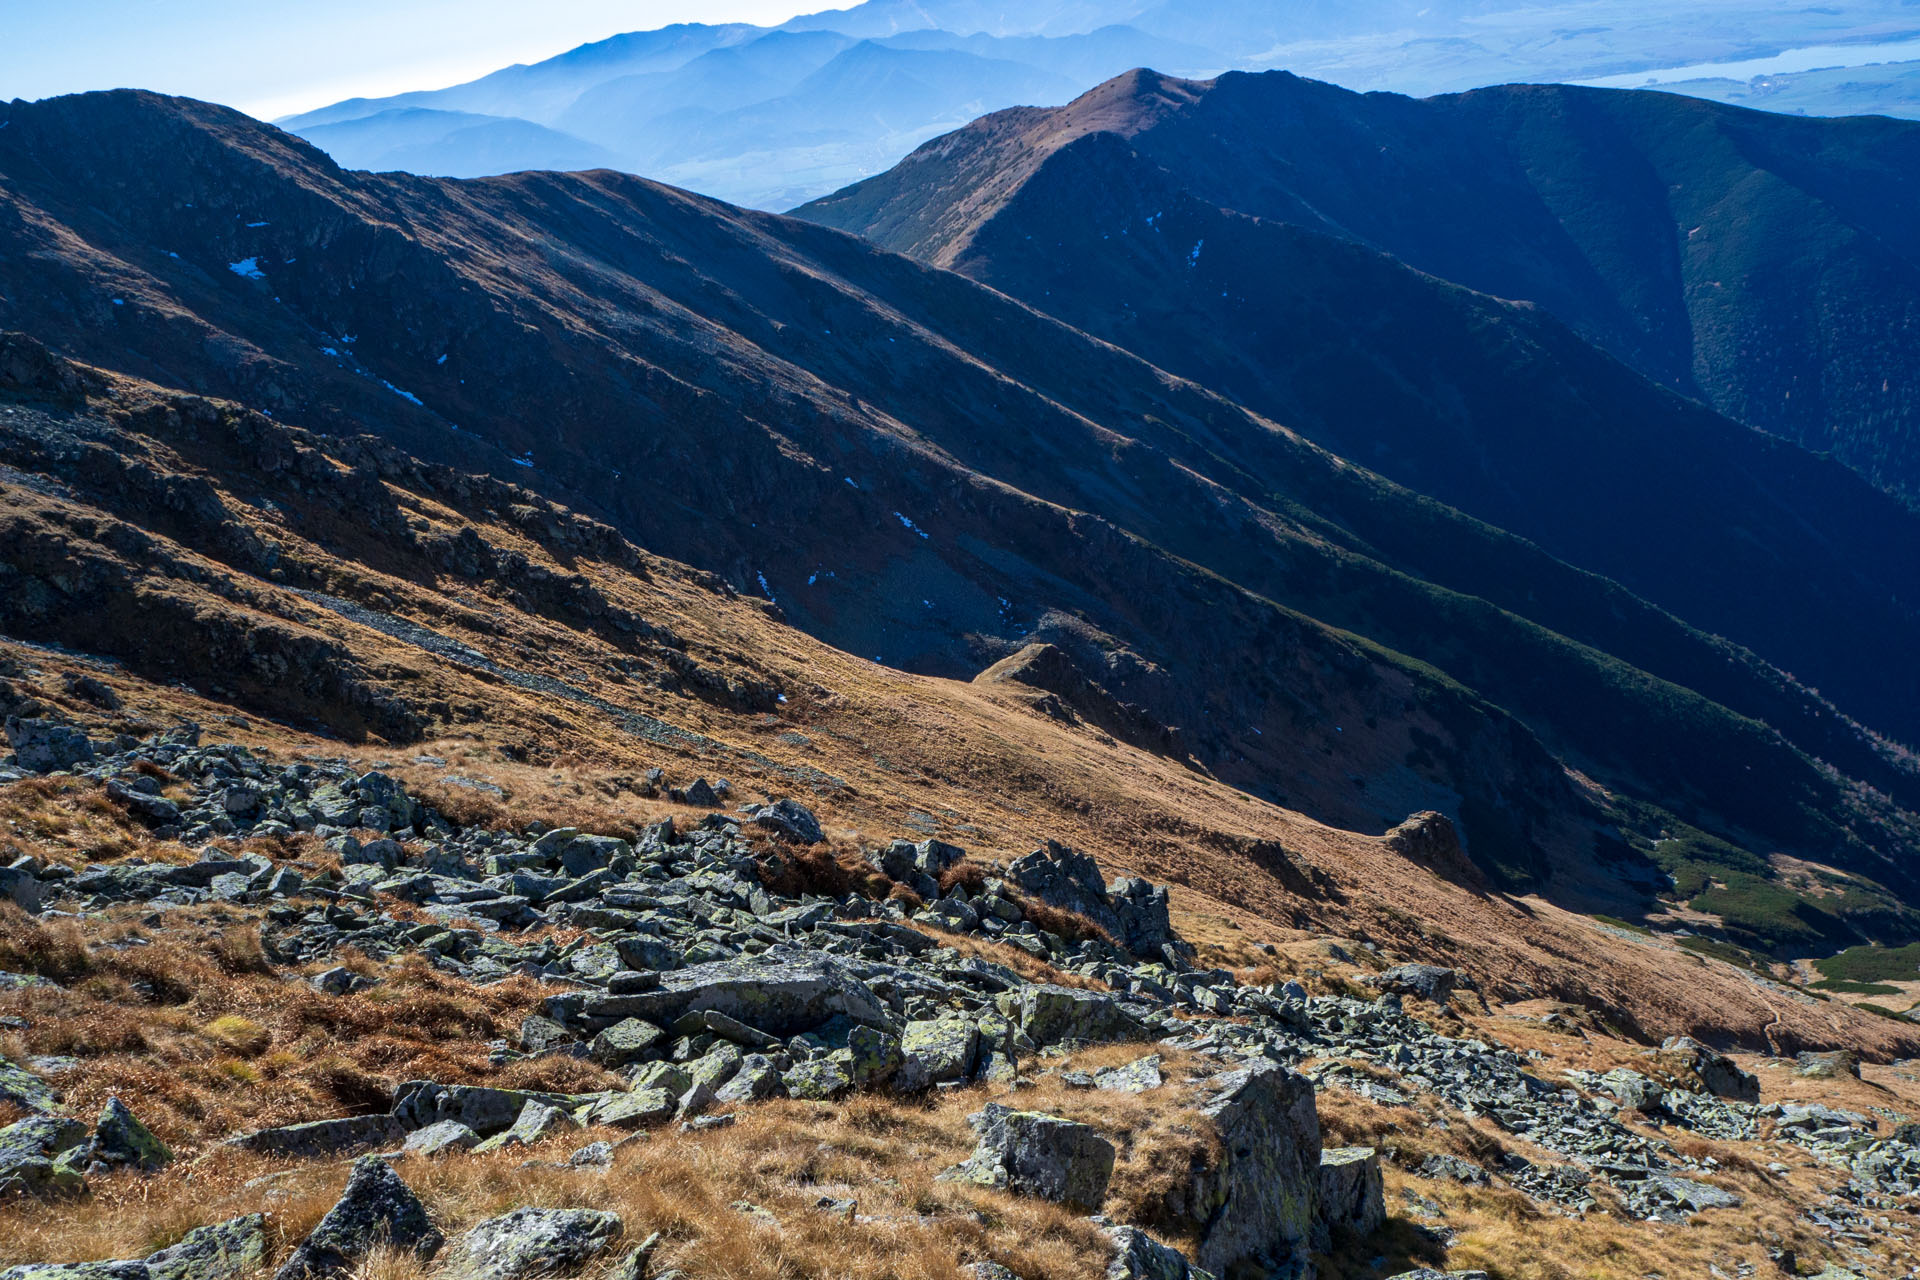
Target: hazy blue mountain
(453, 144)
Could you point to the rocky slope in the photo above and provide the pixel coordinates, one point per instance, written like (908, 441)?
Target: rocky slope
(917, 469)
(1764, 264)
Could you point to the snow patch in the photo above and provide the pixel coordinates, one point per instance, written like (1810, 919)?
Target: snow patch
(909, 524)
(404, 395)
(247, 268)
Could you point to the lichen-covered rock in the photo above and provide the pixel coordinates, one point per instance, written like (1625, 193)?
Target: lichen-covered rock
(817, 1079)
(1633, 1090)
(790, 820)
(1067, 879)
(441, 1138)
(376, 1208)
(1353, 1201)
(1033, 1153)
(1138, 1256)
(120, 1138)
(229, 1250)
(25, 1090)
(1142, 914)
(873, 1057)
(1139, 1076)
(639, 1108)
(1257, 1201)
(531, 1242)
(934, 1053)
(537, 1120)
(36, 1155)
(419, 1103)
(626, 1042)
(135, 1270)
(756, 1078)
(1051, 1015)
(41, 746)
(316, 1138)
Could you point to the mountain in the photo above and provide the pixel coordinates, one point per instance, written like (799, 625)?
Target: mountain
(1766, 265)
(712, 107)
(920, 470)
(452, 144)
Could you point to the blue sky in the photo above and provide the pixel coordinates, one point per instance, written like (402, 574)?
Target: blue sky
(274, 57)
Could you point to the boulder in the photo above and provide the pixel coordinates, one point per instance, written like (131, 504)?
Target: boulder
(1138, 1256)
(1067, 879)
(441, 1137)
(230, 1250)
(641, 1107)
(1352, 1202)
(788, 819)
(1633, 1090)
(531, 1242)
(25, 1090)
(626, 1042)
(782, 991)
(1033, 1153)
(1716, 1072)
(1138, 1076)
(119, 1138)
(817, 1079)
(1427, 981)
(376, 1208)
(41, 746)
(1141, 912)
(41, 1155)
(873, 1057)
(1051, 1015)
(934, 1053)
(1257, 1201)
(756, 1078)
(419, 1103)
(537, 1120)
(324, 1137)
(21, 887)
(1831, 1065)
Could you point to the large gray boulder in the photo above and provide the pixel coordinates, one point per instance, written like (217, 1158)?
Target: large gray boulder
(1427, 981)
(531, 1242)
(1138, 1256)
(25, 1090)
(486, 1111)
(782, 991)
(1142, 916)
(1353, 1201)
(1033, 1153)
(1257, 1203)
(1067, 879)
(375, 1209)
(788, 819)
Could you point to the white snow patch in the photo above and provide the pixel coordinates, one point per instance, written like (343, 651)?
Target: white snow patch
(441, 360)
(119, 302)
(851, 484)
(909, 524)
(405, 395)
(1193, 257)
(765, 590)
(248, 268)
(255, 226)
(525, 460)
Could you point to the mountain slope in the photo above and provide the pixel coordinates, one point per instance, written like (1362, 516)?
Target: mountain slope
(1488, 406)
(1768, 265)
(919, 470)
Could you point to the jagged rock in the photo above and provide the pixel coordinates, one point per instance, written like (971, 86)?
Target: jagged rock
(119, 1138)
(1144, 924)
(790, 820)
(376, 1208)
(38, 1155)
(230, 1250)
(531, 1242)
(41, 746)
(1258, 1200)
(25, 1090)
(1633, 1090)
(1715, 1071)
(1442, 1165)
(324, 1137)
(1427, 981)
(1139, 1076)
(935, 1052)
(1051, 1015)
(1138, 1256)
(1067, 879)
(1033, 1153)
(536, 1121)
(21, 887)
(1352, 1202)
(441, 1137)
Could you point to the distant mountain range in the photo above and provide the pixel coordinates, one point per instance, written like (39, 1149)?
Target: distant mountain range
(927, 472)
(771, 117)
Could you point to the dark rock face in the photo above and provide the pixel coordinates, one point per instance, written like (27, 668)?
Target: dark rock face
(1259, 1203)
(1716, 1072)
(1428, 981)
(376, 1208)
(1352, 1202)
